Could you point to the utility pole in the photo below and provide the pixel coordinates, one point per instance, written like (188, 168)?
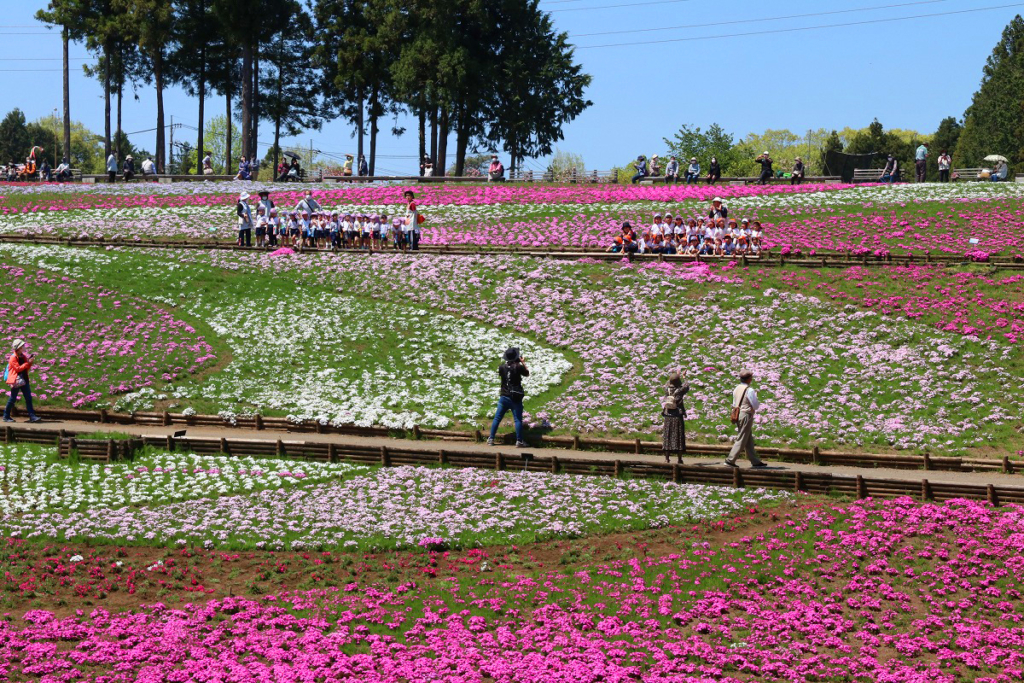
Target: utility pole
(172, 146)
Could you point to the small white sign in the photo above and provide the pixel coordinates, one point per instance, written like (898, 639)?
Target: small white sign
(973, 240)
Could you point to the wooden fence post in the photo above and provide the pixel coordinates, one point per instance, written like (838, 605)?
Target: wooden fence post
(576, 442)
(258, 422)
(111, 457)
(993, 497)
(477, 436)
(816, 456)
(72, 445)
(224, 445)
(554, 464)
(618, 469)
(637, 448)
(677, 474)
(1007, 467)
(499, 461)
(385, 457)
(442, 458)
(165, 419)
(416, 432)
(862, 490)
(927, 461)
(8, 434)
(926, 490)
(332, 452)
(737, 478)
(798, 484)
(279, 448)
(169, 443)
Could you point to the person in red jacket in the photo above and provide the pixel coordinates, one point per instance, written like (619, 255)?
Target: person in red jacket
(17, 378)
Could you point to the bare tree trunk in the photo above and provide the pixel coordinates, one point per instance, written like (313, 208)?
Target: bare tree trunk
(67, 99)
(227, 155)
(423, 138)
(374, 114)
(440, 167)
(254, 142)
(433, 135)
(461, 141)
(117, 134)
(360, 130)
(246, 97)
(158, 77)
(200, 143)
(277, 114)
(106, 102)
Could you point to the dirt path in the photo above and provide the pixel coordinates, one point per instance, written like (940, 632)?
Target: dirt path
(934, 476)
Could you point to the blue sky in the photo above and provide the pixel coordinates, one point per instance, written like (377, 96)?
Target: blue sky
(909, 74)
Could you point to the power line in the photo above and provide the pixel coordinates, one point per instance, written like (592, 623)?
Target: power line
(754, 21)
(805, 28)
(632, 4)
(32, 70)
(43, 59)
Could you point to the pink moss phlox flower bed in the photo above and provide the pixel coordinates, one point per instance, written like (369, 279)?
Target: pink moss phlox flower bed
(91, 343)
(879, 591)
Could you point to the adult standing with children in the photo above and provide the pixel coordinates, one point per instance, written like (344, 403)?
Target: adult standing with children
(510, 396)
(412, 221)
(16, 376)
(744, 406)
(244, 211)
(673, 432)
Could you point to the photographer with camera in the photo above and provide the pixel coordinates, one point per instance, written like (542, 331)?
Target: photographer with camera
(511, 395)
(16, 377)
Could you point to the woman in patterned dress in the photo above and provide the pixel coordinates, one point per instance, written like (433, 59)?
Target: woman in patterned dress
(673, 434)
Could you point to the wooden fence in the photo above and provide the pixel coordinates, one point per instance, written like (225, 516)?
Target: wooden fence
(814, 456)
(109, 450)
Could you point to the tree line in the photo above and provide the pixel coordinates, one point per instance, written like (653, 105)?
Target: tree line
(493, 72)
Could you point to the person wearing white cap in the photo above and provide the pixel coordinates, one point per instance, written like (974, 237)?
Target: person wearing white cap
(244, 211)
(692, 171)
(718, 209)
(766, 168)
(16, 376)
(744, 405)
(129, 168)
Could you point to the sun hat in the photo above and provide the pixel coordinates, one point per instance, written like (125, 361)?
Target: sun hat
(745, 373)
(716, 200)
(18, 343)
(264, 193)
(242, 197)
(745, 221)
(511, 354)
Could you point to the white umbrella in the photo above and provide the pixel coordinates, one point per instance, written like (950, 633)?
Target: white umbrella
(995, 157)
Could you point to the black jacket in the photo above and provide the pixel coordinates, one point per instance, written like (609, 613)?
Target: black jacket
(512, 379)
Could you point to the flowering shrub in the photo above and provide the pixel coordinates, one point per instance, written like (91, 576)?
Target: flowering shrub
(890, 591)
(91, 343)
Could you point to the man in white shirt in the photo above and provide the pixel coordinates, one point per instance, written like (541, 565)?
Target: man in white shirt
(148, 167)
(945, 163)
(744, 397)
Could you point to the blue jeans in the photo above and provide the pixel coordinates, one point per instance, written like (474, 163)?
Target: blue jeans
(506, 404)
(691, 178)
(637, 178)
(32, 413)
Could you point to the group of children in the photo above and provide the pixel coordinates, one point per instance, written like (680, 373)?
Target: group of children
(310, 226)
(329, 230)
(716, 235)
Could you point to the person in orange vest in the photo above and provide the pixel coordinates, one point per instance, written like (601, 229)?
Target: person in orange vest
(16, 376)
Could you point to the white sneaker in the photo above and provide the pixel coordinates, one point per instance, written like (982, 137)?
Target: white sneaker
(490, 441)
(522, 444)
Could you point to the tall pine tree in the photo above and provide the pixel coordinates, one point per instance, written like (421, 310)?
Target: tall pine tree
(994, 123)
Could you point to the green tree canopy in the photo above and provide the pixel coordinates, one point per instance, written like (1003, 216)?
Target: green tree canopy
(14, 140)
(714, 142)
(994, 122)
